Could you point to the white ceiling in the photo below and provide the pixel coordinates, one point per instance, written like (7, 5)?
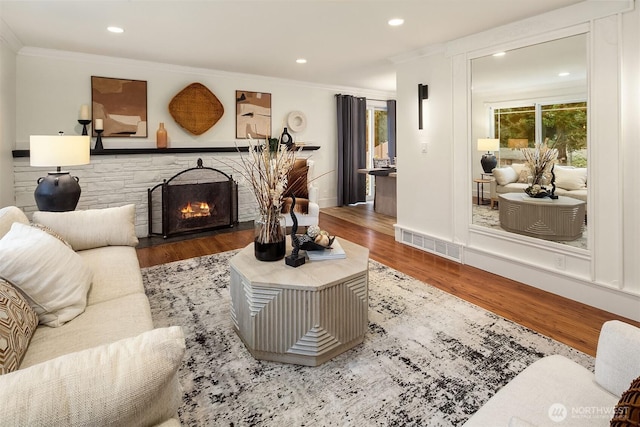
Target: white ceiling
(346, 42)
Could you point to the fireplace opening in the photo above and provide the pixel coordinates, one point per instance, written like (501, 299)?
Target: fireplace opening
(196, 199)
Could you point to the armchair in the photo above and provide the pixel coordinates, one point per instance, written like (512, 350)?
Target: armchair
(299, 184)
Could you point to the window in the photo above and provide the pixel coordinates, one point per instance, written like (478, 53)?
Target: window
(377, 140)
(562, 125)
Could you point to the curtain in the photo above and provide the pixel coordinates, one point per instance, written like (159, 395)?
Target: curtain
(391, 127)
(352, 145)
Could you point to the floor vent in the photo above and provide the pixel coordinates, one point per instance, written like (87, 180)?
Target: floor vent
(436, 246)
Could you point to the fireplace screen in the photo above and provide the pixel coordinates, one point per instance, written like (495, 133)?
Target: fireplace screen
(196, 199)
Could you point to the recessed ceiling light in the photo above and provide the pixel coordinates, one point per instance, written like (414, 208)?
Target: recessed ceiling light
(301, 61)
(115, 29)
(395, 22)
(500, 54)
(563, 74)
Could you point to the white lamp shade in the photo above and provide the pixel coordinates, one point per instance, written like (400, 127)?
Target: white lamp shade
(59, 150)
(488, 144)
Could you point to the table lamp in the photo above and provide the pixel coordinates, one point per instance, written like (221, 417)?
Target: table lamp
(488, 161)
(58, 191)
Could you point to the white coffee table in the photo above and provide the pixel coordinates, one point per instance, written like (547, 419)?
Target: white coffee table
(304, 315)
(559, 219)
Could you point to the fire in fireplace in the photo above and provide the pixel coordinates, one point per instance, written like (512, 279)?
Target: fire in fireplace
(195, 199)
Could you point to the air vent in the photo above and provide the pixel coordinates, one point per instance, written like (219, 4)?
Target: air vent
(436, 246)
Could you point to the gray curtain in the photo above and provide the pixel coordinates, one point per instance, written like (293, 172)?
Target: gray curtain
(391, 127)
(352, 128)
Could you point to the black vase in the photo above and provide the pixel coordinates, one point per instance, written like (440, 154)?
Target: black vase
(286, 139)
(488, 162)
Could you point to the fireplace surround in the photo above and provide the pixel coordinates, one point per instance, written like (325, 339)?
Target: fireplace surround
(195, 199)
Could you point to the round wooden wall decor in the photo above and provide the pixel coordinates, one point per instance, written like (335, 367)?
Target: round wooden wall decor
(196, 108)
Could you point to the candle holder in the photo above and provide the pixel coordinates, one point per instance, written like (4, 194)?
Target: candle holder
(84, 123)
(98, 146)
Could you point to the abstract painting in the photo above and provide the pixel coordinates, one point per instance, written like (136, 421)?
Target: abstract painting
(253, 115)
(122, 106)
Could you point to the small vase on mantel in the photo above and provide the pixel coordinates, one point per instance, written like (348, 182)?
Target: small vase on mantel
(161, 137)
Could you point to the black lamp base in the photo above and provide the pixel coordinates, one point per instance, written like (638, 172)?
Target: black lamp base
(489, 162)
(57, 192)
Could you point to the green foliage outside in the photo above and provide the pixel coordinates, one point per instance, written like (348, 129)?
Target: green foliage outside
(380, 127)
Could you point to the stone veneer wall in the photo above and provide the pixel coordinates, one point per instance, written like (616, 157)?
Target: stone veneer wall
(116, 180)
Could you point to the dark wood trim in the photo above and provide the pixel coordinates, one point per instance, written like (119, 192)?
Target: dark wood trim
(184, 150)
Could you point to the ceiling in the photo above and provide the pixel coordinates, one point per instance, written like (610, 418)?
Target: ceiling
(346, 42)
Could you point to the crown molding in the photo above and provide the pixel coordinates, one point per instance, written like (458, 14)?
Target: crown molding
(101, 59)
(9, 38)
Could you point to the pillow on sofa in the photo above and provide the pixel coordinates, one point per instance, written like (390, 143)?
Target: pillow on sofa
(93, 228)
(505, 176)
(8, 216)
(570, 178)
(54, 278)
(130, 382)
(627, 411)
(18, 322)
(523, 171)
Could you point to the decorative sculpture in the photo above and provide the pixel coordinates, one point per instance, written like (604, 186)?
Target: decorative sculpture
(552, 195)
(295, 259)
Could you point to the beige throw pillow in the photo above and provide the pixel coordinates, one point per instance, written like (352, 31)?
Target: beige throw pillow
(505, 176)
(570, 178)
(132, 382)
(93, 228)
(54, 278)
(8, 216)
(18, 322)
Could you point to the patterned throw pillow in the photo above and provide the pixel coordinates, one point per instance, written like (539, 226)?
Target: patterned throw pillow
(627, 411)
(18, 322)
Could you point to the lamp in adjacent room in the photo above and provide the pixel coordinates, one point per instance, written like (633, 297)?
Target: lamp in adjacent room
(423, 93)
(488, 161)
(58, 191)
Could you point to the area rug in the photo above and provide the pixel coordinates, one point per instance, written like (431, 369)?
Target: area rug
(428, 359)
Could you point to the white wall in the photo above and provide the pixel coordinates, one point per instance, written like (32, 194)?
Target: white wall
(605, 276)
(7, 120)
(49, 101)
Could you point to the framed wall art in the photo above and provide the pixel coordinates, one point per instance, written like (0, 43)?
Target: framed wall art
(253, 114)
(122, 106)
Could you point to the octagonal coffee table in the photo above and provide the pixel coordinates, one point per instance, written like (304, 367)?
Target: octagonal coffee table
(305, 315)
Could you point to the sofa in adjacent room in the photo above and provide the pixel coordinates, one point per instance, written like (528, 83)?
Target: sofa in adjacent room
(557, 391)
(570, 181)
(79, 346)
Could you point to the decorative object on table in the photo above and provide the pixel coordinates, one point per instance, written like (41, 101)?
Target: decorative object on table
(488, 161)
(539, 160)
(552, 194)
(196, 108)
(58, 191)
(316, 239)
(161, 137)
(286, 139)
(295, 259)
(98, 129)
(334, 251)
(84, 118)
(253, 114)
(122, 104)
(266, 171)
(297, 121)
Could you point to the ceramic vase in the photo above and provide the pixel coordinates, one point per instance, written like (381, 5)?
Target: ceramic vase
(161, 137)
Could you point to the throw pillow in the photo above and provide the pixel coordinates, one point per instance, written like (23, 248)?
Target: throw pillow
(18, 322)
(93, 228)
(505, 176)
(51, 232)
(297, 180)
(627, 411)
(570, 178)
(523, 171)
(8, 216)
(132, 382)
(54, 278)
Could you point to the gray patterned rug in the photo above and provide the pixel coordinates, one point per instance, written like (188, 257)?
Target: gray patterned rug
(429, 358)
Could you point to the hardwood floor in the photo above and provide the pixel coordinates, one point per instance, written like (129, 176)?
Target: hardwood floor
(565, 320)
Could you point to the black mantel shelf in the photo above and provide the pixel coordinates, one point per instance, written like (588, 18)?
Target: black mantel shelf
(185, 150)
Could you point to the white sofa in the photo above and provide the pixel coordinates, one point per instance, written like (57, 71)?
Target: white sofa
(570, 181)
(555, 391)
(107, 365)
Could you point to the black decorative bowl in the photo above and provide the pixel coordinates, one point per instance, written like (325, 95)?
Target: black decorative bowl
(539, 195)
(306, 244)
